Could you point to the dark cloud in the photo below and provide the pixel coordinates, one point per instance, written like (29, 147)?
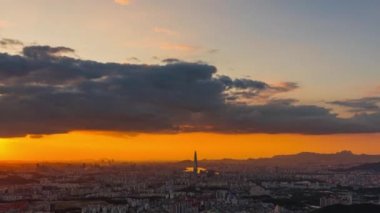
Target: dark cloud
(7, 42)
(171, 60)
(43, 91)
(45, 52)
(247, 90)
(361, 105)
(133, 59)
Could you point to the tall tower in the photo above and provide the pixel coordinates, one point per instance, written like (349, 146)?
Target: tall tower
(195, 168)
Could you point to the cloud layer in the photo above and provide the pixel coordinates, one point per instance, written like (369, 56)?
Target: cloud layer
(44, 91)
(361, 105)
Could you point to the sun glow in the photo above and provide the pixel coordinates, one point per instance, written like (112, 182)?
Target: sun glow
(84, 146)
(3, 149)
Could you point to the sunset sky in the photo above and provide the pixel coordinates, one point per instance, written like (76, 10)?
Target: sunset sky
(154, 80)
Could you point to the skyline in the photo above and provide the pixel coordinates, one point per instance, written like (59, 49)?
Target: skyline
(145, 80)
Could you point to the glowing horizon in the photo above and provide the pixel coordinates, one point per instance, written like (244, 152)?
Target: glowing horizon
(93, 146)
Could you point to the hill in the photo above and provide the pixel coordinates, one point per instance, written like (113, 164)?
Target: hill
(368, 167)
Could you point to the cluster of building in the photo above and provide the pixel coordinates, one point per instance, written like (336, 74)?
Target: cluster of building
(111, 187)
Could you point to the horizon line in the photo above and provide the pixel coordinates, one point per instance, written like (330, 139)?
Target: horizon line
(108, 160)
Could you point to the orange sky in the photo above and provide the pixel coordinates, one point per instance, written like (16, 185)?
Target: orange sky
(327, 53)
(151, 147)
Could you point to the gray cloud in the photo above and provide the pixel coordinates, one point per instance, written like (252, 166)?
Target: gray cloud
(7, 42)
(171, 60)
(45, 52)
(361, 105)
(133, 59)
(43, 91)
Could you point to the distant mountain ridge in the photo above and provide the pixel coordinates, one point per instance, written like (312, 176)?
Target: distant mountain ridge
(367, 167)
(343, 158)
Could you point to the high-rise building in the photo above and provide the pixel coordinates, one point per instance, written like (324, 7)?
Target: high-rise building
(195, 168)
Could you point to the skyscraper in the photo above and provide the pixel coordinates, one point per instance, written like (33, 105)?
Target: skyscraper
(195, 168)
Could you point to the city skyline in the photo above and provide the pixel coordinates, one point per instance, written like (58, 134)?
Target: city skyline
(178, 106)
